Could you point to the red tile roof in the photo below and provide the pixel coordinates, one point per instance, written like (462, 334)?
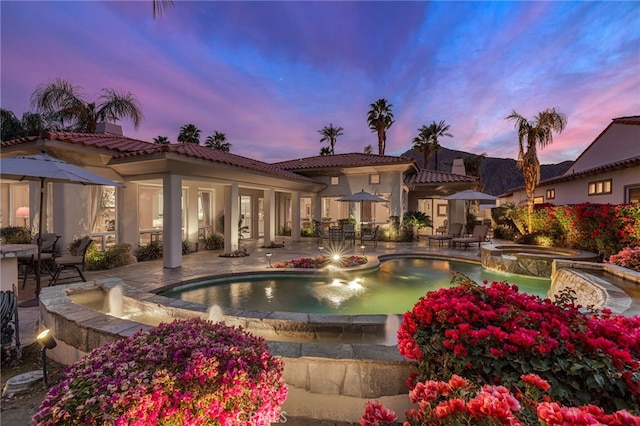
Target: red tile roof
(634, 119)
(432, 176)
(353, 159)
(123, 147)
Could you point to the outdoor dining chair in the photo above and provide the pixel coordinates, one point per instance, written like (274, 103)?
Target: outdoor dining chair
(349, 232)
(69, 262)
(27, 264)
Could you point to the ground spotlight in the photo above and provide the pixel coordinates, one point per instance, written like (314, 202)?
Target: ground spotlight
(269, 257)
(48, 342)
(362, 248)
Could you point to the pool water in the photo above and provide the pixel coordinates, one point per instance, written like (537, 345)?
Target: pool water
(392, 289)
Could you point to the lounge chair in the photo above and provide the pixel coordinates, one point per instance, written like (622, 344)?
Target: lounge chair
(371, 237)
(67, 262)
(479, 236)
(455, 231)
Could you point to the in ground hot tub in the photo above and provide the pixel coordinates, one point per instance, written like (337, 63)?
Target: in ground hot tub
(535, 261)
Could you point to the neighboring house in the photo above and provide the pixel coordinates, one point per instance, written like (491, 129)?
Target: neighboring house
(184, 192)
(607, 172)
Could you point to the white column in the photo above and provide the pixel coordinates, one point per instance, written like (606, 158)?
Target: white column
(269, 216)
(231, 217)
(127, 211)
(172, 215)
(295, 216)
(192, 214)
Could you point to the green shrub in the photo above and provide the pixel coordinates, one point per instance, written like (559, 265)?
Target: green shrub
(285, 230)
(503, 232)
(112, 257)
(151, 251)
(214, 242)
(16, 235)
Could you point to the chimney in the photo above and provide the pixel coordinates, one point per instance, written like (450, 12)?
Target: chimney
(458, 167)
(109, 129)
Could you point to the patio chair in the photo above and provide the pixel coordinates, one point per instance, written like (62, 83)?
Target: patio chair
(455, 231)
(319, 227)
(349, 232)
(27, 264)
(69, 262)
(373, 236)
(336, 234)
(479, 236)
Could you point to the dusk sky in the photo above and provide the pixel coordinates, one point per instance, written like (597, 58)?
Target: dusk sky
(271, 74)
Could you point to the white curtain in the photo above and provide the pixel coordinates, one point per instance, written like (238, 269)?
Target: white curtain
(95, 202)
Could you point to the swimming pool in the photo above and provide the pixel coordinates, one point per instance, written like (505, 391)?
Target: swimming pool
(393, 288)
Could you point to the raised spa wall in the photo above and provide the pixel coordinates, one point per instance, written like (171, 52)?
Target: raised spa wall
(534, 261)
(324, 380)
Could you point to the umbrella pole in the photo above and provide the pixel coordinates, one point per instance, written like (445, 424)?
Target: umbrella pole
(39, 240)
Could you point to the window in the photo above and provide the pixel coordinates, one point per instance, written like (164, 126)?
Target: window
(551, 194)
(374, 179)
(335, 180)
(538, 200)
(633, 194)
(600, 187)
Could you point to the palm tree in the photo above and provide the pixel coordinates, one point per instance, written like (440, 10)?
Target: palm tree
(380, 118)
(10, 125)
(325, 150)
(161, 140)
(62, 100)
(437, 130)
(218, 141)
(189, 133)
(330, 134)
(368, 149)
(422, 143)
(538, 131)
(159, 6)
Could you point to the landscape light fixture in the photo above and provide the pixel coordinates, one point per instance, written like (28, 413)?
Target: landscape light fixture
(362, 248)
(48, 342)
(269, 257)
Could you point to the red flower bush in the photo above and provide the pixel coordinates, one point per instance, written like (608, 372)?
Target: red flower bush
(321, 261)
(494, 332)
(461, 402)
(190, 372)
(627, 257)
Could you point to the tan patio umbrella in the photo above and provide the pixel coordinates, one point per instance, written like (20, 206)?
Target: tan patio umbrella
(42, 167)
(361, 197)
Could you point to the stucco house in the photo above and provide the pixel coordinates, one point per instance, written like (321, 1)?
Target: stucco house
(184, 192)
(607, 171)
